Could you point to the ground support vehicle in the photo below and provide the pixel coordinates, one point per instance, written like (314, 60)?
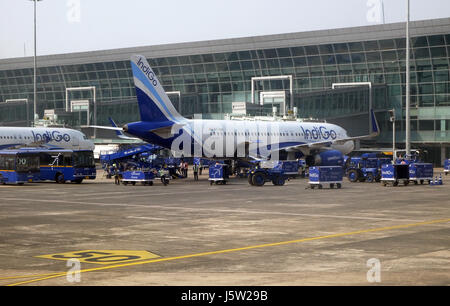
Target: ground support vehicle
(218, 174)
(321, 175)
(19, 167)
(290, 168)
(259, 176)
(366, 168)
(393, 174)
(420, 173)
(369, 175)
(138, 176)
(66, 165)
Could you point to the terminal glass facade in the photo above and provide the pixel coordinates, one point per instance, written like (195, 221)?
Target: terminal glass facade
(207, 84)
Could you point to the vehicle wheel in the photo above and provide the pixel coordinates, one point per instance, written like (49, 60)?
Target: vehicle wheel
(331, 186)
(150, 183)
(60, 178)
(133, 183)
(320, 186)
(405, 182)
(339, 185)
(395, 183)
(421, 182)
(312, 186)
(278, 181)
(249, 178)
(370, 178)
(258, 179)
(211, 183)
(353, 175)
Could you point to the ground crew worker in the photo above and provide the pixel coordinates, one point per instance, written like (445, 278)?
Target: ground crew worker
(195, 169)
(186, 168)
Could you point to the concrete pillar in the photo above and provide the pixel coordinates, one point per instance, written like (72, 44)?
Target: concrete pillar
(443, 154)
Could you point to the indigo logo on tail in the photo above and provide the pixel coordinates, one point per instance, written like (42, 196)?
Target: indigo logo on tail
(148, 71)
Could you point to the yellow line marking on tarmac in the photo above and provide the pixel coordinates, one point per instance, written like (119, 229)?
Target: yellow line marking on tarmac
(29, 276)
(238, 249)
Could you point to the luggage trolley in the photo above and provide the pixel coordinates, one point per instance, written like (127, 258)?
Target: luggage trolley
(319, 176)
(218, 174)
(394, 174)
(446, 166)
(420, 173)
(137, 176)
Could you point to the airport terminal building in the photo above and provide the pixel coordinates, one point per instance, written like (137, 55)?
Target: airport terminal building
(251, 76)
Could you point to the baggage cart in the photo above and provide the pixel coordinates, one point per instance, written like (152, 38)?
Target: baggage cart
(446, 166)
(322, 175)
(218, 174)
(137, 176)
(393, 174)
(420, 173)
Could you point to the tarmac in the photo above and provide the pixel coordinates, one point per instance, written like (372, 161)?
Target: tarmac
(191, 233)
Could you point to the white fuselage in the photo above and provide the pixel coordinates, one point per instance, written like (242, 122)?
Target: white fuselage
(52, 137)
(221, 138)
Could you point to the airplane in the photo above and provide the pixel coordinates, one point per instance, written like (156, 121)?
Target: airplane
(52, 138)
(161, 124)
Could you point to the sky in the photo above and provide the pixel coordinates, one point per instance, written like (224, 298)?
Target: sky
(65, 26)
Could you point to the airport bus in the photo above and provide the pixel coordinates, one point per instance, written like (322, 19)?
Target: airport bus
(67, 165)
(18, 167)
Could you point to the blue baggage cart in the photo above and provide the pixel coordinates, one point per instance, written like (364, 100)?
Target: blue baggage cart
(446, 166)
(319, 176)
(393, 174)
(218, 174)
(421, 172)
(137, 176)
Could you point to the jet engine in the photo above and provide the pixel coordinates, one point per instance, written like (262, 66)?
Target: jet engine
(326, 158)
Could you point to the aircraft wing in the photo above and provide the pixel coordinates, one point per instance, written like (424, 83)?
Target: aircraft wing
(104, 127)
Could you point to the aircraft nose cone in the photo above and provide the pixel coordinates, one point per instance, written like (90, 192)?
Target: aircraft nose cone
(125, 128)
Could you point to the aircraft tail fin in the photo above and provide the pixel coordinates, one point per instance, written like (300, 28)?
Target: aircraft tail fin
(154, 104)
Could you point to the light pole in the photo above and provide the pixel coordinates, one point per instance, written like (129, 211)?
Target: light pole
(392, 119)
(34, 77)
(407, 119)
